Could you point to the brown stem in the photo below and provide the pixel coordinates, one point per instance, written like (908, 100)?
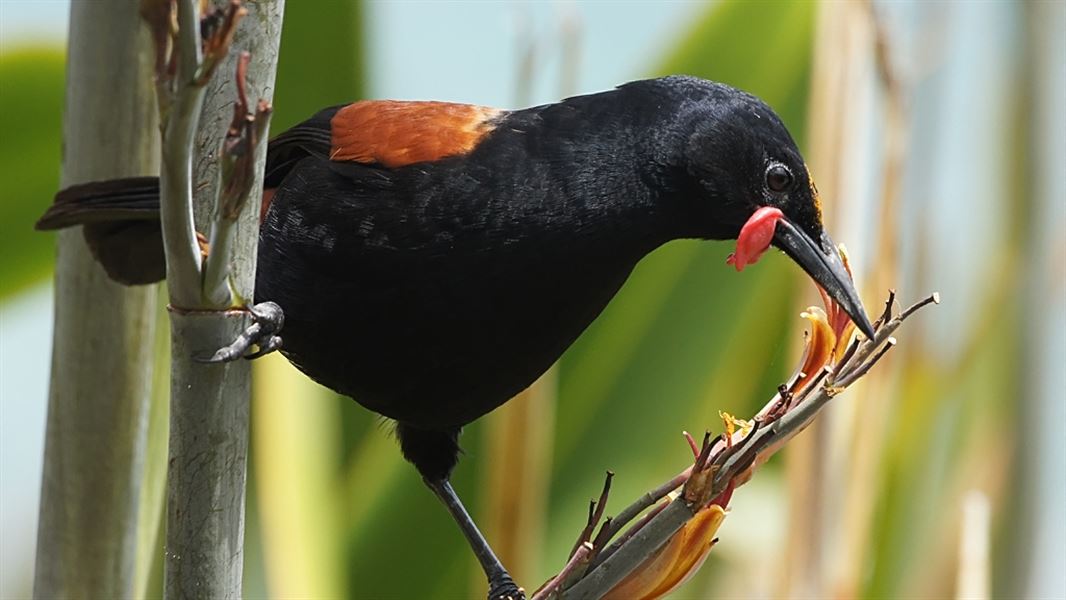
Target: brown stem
(630, 551)
(579, 556)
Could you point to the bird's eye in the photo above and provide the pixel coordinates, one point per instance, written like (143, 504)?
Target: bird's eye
(778, 177)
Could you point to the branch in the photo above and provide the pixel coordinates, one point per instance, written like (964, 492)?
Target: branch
(579, 556)
(728, 461)
(209, 402)
(175, 178)
(236, 183)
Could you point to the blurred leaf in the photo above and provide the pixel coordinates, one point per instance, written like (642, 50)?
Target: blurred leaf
(401, 542)
(294, 431)
(686, 336)
(302, 434)
(148, 581)
(946, 416)
(31, 111)
(760, 47)
(321, 61)
(516, 483)
(310, 37)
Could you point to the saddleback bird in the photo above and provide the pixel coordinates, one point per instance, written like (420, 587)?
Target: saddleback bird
(433, 259)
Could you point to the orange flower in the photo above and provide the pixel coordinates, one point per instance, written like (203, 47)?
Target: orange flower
(682, 555)
(675, 562)
(828, 339)
(819, 347)
(839, 320)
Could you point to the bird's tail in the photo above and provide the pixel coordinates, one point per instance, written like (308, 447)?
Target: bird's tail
(121, 219)
(131, 199)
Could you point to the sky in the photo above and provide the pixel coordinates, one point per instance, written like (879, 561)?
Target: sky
(25, 22)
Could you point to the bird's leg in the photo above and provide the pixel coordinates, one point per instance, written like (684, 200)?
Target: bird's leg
(501, 586)
(267, 320)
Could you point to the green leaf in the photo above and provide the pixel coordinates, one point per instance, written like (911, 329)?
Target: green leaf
(31, 111)
(687, 336)
(303, 435)
(321, 60)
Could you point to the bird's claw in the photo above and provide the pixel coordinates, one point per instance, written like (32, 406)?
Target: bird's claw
(271, 344)
(505, 588)
(267, 320)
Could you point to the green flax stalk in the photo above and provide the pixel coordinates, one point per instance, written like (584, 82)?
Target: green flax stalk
(103, 338)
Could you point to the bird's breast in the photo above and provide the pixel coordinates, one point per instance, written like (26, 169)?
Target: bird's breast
(422, 314)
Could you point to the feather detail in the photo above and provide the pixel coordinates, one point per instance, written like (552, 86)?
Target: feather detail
(393, 134)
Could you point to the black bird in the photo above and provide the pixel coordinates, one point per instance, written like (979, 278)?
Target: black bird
(433, 259)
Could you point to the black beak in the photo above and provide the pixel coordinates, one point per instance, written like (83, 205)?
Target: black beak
(822, 262)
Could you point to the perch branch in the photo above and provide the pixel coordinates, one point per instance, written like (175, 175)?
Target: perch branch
(728, 460)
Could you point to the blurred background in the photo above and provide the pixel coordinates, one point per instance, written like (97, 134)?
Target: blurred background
(936, 134)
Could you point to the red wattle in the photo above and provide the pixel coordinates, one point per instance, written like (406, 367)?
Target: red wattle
(755, 237)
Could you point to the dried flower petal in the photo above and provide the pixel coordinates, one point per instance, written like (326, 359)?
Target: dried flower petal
(733, 425)
(839, 320)
(818, 351)
(827, 341)
(673, 564)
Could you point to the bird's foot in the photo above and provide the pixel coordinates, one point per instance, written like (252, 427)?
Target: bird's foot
(267, 320)
(502, 587)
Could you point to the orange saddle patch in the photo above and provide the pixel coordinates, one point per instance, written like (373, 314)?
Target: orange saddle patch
(395, 133)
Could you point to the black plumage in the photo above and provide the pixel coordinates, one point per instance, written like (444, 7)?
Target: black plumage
(432, 291)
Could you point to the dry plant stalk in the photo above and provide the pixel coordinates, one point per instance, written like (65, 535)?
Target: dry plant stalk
(669, 543)
(90, 542)
(206, 281)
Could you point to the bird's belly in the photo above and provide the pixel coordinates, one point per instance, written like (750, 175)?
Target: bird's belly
(435, 343)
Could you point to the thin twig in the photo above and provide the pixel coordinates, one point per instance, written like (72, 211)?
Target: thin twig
(638, 544)
(867, 347)
(933, 298)
(642, 503)
(887, 313)
(601, 504)
(644, 543)
(175, 178)
(237, 178)
(852, 348)
(797, 419)
(577, 558)
(883, 334)
(610, 550)
(595, 514)
(705, 451)
(216, 45)
(813, 384)
(586, 531)
(691, 444)
(865, 367)
(603, 536)
(746, 440)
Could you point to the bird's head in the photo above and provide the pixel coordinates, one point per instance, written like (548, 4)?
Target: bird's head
(751, 183)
